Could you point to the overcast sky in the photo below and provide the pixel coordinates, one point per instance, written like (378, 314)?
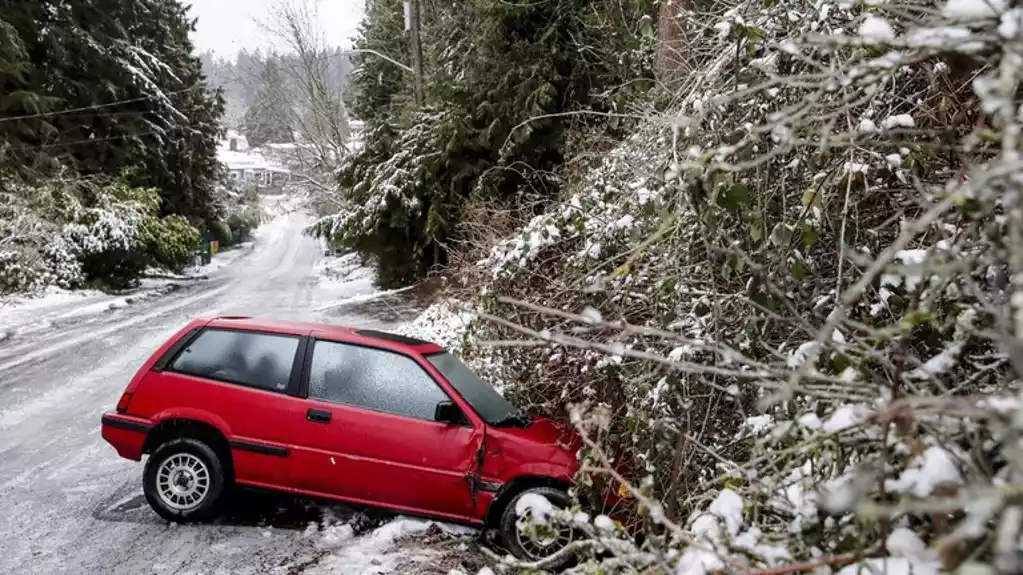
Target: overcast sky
(227, 26)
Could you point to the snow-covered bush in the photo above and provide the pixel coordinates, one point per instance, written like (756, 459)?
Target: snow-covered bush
(69, 230)
(20, 272)
(791, 301)
(243, 219)
(171, 242)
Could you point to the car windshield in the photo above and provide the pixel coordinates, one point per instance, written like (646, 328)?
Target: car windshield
(482, 396)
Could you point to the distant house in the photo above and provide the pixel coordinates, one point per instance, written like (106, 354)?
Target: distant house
(251, 166)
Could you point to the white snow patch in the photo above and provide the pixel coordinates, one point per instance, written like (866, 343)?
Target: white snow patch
(899, 121)
(866, 126)
(876, 29)
(967, 10)
(758, 424)
(855, 168)
(903, 542)
(943, 36)
(604, 523)
(810, 421)
(911, 275)
(801, 354)
(941, 363)
(844, 417)
(625, 222)
(1010, 24)
(706, 527)
(728, 506)
(592, 315)
(374, 553)
(537, 506)
(443, 323)
(1003, 404)
(839, 495)
(891, 566)
(799, 498)
(698, 562)
(926, 472)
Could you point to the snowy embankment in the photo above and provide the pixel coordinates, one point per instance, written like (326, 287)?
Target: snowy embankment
(387, 549)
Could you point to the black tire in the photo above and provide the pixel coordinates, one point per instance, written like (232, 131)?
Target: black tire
(510, 537)
(187, 451)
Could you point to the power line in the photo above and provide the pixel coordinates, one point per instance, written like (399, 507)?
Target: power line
(93, 107)
(77, 142)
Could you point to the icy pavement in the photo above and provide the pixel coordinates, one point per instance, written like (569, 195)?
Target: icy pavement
(70, 505)
(54, 307)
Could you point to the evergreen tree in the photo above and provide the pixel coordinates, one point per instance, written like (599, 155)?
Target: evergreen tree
(494, 127)
(268, 119)
(118, 88)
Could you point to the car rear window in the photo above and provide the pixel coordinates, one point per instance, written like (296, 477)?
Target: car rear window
(252, 359)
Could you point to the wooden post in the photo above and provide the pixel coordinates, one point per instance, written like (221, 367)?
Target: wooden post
(417, 51)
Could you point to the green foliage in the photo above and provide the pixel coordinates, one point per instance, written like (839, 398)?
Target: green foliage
(171, 242)
(243, 219)
(75, 231)
(222, 233)
(18, 273)
(496, 125)
(102, 86)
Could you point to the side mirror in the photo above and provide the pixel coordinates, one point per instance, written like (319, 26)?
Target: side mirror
(447, 412)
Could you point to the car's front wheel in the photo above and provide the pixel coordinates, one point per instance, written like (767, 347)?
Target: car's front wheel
(184, 480)
(529, 534)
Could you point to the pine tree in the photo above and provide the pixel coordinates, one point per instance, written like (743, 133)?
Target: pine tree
(268, 119)
(494, 128)
(121, 90)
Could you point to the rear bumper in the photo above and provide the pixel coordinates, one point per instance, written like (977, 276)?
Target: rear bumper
(126, 434)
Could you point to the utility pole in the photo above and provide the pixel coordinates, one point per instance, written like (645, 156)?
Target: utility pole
(412, 25)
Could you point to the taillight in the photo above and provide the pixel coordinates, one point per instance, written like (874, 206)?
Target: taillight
(122, 404)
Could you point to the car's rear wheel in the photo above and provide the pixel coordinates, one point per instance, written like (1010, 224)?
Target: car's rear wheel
(184, 480)
(542, 543)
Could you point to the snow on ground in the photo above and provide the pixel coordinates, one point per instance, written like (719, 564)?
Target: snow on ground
(343, 280)
(219, 261)
(23, 314)
(50, 297)
(379, 551)
(344, 270)
(442, 323)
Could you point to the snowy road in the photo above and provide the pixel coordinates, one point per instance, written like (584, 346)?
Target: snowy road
(68, 504)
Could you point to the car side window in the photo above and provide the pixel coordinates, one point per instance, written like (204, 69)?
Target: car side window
(252, 359)
(372, 379)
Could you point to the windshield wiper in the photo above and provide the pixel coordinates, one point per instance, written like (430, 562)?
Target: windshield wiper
(517, 418)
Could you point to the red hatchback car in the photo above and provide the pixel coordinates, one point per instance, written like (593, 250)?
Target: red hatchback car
(354, 415)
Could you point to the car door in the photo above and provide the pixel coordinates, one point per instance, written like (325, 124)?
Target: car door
(370, 433)
(245, 382)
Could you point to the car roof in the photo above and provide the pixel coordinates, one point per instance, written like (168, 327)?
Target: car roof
(326, 331)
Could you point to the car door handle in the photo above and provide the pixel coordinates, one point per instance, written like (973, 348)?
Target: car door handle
(318, 416)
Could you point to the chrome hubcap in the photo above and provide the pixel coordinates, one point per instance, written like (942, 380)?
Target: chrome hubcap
(182, 482)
